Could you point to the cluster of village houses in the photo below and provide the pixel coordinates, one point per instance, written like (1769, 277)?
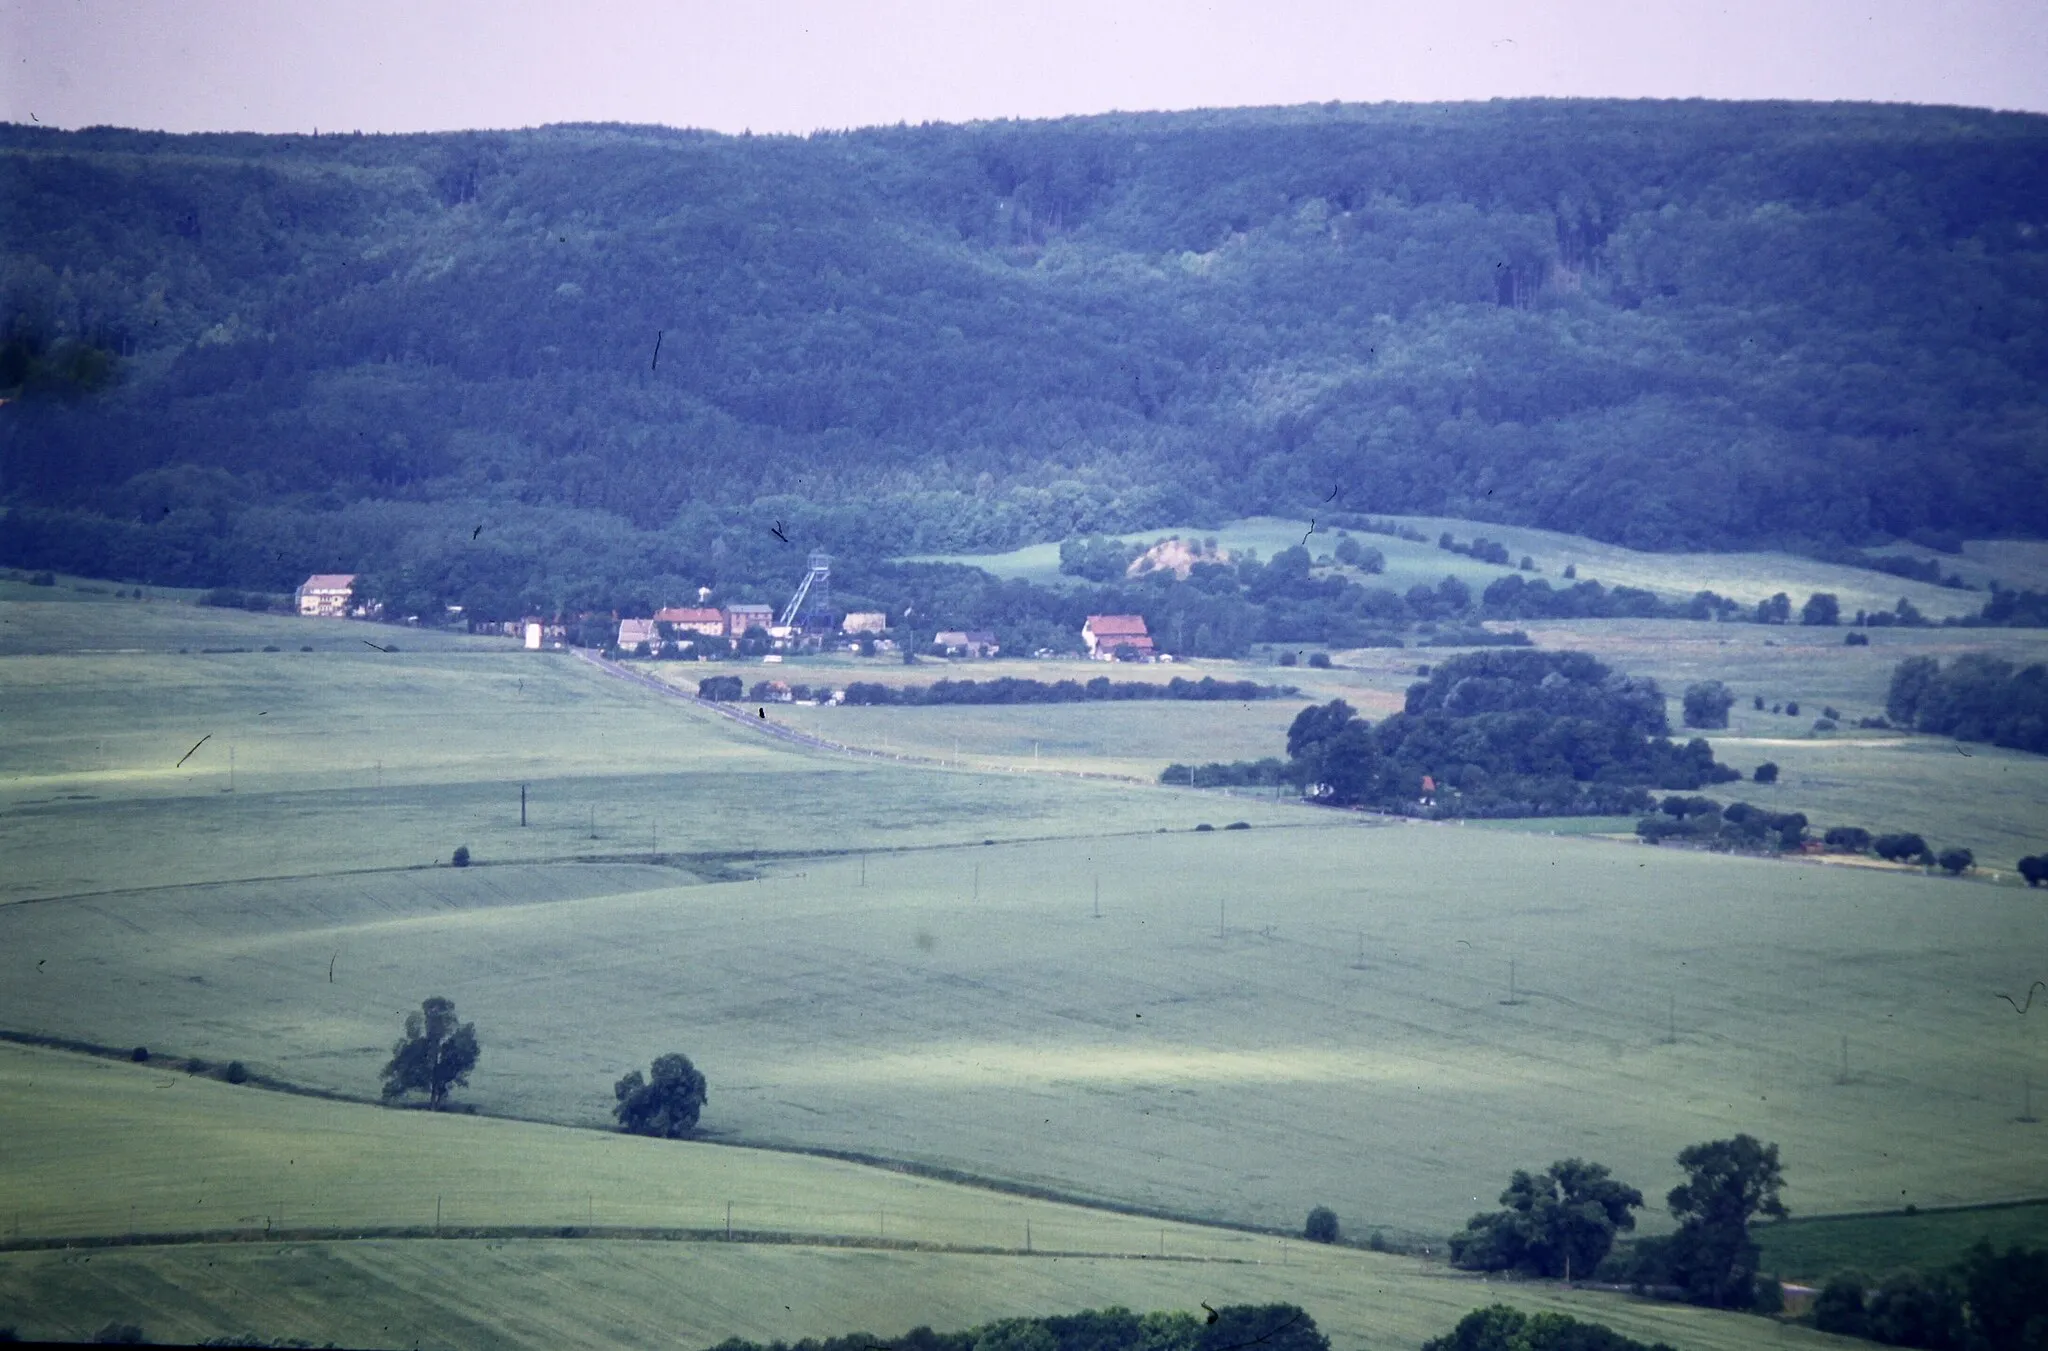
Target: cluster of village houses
(703, 629)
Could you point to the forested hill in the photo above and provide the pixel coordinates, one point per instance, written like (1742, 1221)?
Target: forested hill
(238, 358)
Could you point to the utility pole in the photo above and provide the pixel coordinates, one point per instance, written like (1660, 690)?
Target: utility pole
(1671, 1037)
(231, 767)
(1098, 896)
(1219, 917)
(977, 881)
(522, 806)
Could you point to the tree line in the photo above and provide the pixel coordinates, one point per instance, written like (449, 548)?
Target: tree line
(1976, 697)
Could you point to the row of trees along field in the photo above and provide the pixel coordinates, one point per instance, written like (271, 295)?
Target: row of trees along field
(236, 359)
(1231, 1327)
(1563, 1223)
(1505, 733)
(438, 1051)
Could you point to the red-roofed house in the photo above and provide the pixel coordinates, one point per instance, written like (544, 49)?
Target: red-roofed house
(1110, 637)
(633, 632)
(326, 595)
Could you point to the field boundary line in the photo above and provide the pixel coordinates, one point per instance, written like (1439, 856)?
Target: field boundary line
(681, 862)
(352, 1233)
(815, 742)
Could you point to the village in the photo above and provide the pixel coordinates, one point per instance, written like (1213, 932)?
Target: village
(745, 630)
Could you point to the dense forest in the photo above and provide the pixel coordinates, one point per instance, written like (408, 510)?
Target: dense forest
(586, 366)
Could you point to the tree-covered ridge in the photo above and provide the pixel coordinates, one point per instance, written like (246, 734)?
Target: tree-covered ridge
(1665, 324)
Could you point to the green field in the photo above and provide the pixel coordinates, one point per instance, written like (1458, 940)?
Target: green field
(1992, 801)
(1747, 577)
(903, 960)
(350, 758)
(111, 1149)
(1875, 1244)
(961, 992)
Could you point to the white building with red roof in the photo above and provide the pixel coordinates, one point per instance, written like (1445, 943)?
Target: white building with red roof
(1111, 637)
(326, 595)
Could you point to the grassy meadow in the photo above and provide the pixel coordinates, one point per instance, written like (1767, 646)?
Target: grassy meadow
(1213, 1046)
(1928, 1241)
(1747, 577)
(1989, 800)
(165, 1154)
(906, 961)
(349, 758)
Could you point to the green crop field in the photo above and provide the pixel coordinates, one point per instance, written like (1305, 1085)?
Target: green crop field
(1212, 1046)
(1992, 801)
(349, 758)
(1747, 577)
(906, 961)
(177, 1158)
(1875, 1244)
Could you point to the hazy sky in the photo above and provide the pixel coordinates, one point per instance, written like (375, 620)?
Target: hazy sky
(796, 65)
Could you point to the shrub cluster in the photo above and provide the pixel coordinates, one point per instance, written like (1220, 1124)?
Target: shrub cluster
(1988, 1300)
(1518, 733)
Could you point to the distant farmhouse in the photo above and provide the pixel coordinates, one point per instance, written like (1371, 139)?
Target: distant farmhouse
(1117, 638)
(963, 643)
(740, 618)
(327, 595)
(704, 621)
(634, 632)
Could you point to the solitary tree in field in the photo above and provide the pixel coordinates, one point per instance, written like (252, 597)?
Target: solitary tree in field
(1728, 1183)
(436, 1053)
(665, 1105)
(1956, 862)
(1821, 609)
(1707, 704)
(2034, 867)
(1321, 1226)
(1767, 772)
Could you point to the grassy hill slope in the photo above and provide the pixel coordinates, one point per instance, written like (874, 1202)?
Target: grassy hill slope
(190, 1155)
